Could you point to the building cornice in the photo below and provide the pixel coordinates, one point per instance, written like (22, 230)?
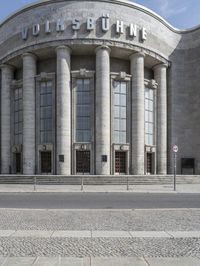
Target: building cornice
(119, 2)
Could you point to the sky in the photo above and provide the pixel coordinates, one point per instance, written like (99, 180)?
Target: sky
(179, 13)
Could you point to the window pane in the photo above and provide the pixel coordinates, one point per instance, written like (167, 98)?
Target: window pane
(150, 94)
(117, 111)
(16, 105)
(150, 117)
(116, 136)
(86, 135)
(20, 104)
(146, 116)
(123, 100)
(83, 105)
(20, 127)
(116, 124)
(123, 112)
(16, 94)
(16, 128)
(123, 87)
(16, 117)
(43, 87)
(79, 85)
(116, 86)
(122, 137)
(150, 128)
(116, 99)
(120, 109)
(49, 86)
(20, 139)
(20, 116)
(49, 99)
(43, 100)
(42, 124)
(146, 104)
(150, 106)
(122, 125)
(86, 84)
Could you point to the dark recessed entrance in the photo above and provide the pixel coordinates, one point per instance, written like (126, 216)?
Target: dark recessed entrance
(120, 162)
(149, 163)
(82, 162)
(46, 162)
(18, 163)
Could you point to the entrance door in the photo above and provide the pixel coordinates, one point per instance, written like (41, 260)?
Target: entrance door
(149, 163)
(120, 162)
(46, 162)
(18, 163)
(82, 162)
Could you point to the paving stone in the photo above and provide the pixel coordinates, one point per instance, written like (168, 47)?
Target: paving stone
(72, 234)
(153, 234)
(184, 234)
(104, 220)
(4, 233)
(132, 261)
(19, 261)
(32, 233)
(110, 234)
(173, 261)
(61, 261)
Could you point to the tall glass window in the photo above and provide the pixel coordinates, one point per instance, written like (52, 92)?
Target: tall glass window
(120, 111)
(149, 116)
(83, 107)
(46, 88)
(18, 116)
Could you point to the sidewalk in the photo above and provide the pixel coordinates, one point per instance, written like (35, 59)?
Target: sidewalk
(189, 188)
(98, 261)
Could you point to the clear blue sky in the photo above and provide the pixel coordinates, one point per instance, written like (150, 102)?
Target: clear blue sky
(180, 13)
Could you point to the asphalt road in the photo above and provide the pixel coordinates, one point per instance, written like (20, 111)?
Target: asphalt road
(98, 200)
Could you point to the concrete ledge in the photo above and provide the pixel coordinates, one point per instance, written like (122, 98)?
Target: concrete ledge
(98, 261)
(99, 234)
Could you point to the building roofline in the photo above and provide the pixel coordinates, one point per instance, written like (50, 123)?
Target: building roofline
(120, 2)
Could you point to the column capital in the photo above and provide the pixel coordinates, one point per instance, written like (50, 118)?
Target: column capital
(160, 66)
(137, 54)
(103, 47)
(63, 47)
(7, 66)
(29, 55)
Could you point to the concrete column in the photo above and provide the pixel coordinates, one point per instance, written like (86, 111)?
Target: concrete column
(103, 110)
(7, 77)
(137, 151)
(29, 73)
(160, 75)
(63, 110)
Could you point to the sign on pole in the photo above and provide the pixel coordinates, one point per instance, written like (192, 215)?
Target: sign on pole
(175, 150)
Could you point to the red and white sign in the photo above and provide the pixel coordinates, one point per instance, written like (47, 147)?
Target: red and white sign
(175, 148)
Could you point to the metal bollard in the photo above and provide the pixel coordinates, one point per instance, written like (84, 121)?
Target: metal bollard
(35, 183)
(82, 184)
(127, 183)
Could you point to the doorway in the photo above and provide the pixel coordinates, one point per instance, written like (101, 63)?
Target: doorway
(120, 162)
(18, 167)
(46, 163)
(150, 168)
(83, 162)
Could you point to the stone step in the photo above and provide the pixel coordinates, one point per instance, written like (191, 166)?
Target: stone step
(98, 180)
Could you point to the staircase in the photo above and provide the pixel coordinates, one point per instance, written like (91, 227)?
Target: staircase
(99, 180)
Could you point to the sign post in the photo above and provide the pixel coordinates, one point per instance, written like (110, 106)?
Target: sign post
(175, 150)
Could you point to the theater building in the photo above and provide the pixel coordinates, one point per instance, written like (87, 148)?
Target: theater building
(97, 87)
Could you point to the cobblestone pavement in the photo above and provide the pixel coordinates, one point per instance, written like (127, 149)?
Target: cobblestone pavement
(111, 220)
(103, 247)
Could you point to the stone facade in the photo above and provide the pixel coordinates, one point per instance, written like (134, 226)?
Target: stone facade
(136, 74)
